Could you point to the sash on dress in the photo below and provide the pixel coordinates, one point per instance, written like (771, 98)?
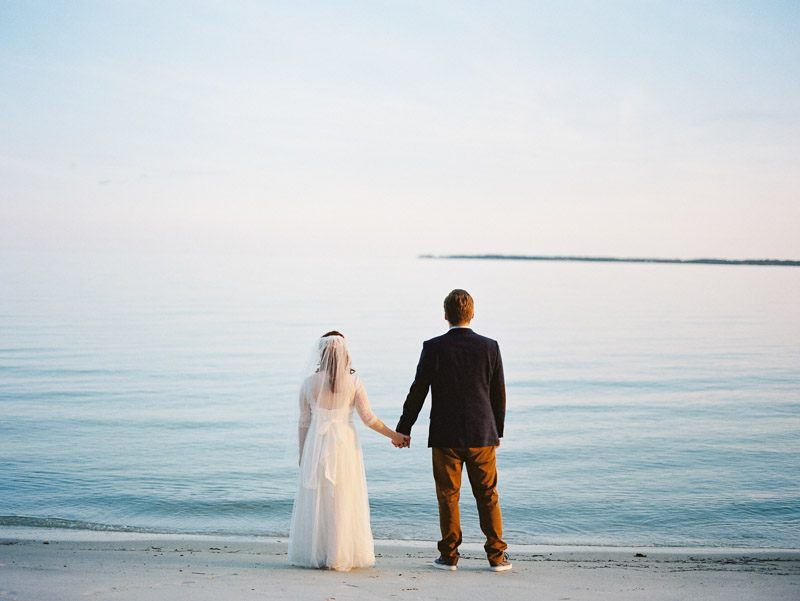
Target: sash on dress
(332, 429)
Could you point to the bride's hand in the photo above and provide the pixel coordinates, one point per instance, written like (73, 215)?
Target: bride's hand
(401, 441)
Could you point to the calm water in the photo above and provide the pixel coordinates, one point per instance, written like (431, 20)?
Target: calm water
(647, 404)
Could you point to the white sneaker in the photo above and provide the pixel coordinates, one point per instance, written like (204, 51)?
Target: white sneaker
(503, 566)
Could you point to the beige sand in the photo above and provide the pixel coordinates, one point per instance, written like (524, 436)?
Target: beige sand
(196, 569)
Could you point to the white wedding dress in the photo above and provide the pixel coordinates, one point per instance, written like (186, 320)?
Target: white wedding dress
(330, 521)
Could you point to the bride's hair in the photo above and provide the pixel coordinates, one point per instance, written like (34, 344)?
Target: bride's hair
(329, 360)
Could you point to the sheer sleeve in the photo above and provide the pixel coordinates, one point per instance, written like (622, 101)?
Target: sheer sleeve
(362, 405)
(305, 407)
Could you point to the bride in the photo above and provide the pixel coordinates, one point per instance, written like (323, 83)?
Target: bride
(330, 520)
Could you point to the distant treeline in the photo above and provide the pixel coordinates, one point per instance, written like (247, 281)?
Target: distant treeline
(618, 259)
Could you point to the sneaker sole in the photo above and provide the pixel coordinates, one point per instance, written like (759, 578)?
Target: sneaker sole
(444, 566)
(500, 568)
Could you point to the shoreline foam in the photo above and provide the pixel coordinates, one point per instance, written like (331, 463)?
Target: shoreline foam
(75, 535)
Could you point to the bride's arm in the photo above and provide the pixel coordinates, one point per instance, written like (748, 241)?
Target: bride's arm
(397, 438)
(301, 434)
(303, 423)
(371, 420)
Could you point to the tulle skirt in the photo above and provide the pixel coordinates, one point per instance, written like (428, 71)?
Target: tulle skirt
(330, 520)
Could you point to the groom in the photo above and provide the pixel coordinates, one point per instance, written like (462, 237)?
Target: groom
(468, 401)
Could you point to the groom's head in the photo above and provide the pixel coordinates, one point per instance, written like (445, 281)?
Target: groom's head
(459, 308)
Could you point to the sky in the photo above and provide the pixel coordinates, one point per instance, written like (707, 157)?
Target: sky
(627, 128)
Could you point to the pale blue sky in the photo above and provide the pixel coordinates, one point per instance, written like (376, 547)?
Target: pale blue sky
(639, 128)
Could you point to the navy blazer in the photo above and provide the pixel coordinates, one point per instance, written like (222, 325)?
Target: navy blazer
(464, 371)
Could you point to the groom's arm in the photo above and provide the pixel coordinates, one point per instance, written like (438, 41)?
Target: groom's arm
(416, 395)
(497, 393)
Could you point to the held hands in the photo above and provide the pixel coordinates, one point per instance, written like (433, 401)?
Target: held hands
(401, 441)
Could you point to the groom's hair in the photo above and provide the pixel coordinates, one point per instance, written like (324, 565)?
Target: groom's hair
(459, 307)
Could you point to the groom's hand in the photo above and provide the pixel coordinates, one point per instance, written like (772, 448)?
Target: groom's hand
(404, 443)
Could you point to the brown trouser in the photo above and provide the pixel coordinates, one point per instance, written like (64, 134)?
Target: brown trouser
(482, 475)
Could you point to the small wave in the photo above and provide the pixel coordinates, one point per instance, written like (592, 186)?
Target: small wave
(62, 524)
(17, 521)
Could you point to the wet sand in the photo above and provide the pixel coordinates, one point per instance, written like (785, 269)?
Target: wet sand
(199, 568)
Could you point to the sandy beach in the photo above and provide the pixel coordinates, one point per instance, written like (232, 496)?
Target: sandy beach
(197, 568)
